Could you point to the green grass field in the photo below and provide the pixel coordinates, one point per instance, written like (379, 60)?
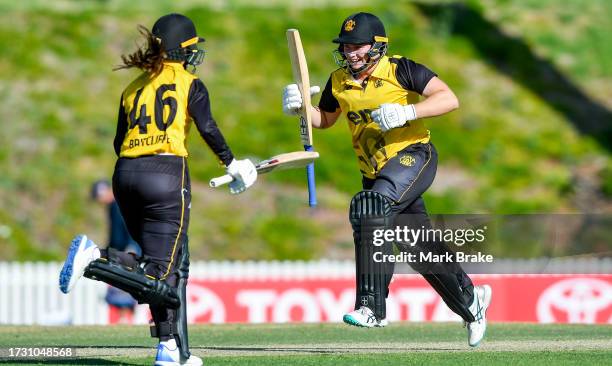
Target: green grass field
(327, 344)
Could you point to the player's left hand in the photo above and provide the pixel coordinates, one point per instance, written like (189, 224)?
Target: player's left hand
(393, 115)
(244, 174)
(292, 98)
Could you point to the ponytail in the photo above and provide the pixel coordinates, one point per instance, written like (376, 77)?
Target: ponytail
(149, 59)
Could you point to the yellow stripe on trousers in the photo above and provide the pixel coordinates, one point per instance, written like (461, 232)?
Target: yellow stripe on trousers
(178, 235)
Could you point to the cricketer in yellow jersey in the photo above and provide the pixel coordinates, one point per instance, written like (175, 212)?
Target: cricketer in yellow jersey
(380, 96)
(152, 185)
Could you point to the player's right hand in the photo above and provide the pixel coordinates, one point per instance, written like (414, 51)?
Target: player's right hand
(244, 174)
(292, 98)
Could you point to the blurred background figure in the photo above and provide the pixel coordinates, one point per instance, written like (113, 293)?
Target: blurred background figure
(121, 303)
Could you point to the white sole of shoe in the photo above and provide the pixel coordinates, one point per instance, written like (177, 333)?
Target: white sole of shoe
(351, 321)
(68, 275)
(172, 363)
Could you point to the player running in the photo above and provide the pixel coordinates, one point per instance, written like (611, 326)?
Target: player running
(152, 185)
(379, 95)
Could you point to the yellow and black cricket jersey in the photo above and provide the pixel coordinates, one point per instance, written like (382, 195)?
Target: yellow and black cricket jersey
(394, 80)
(156, 112)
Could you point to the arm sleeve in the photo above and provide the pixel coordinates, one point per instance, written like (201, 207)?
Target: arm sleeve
(413, 76)
(328, 102)
(199, 110)
(122, 127)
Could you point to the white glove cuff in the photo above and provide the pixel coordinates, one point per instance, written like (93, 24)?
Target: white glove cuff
(232, 168)
(410, 112)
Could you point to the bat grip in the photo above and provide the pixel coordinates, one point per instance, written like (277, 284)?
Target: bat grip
(219, 181)
(312, 191)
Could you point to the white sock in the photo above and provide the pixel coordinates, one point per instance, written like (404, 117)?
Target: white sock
(169, 344)
(96, 253)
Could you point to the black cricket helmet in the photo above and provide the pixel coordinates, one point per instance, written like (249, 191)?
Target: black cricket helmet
(179, 39)
(361, 28)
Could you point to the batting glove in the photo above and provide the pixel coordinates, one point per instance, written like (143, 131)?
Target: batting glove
(393, 115)
(292, 98)
(244, 174)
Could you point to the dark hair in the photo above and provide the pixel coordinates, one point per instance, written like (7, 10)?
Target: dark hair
(149, 59)
(97, 187)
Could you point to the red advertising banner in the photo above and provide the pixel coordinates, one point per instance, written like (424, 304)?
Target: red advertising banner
(516, 298)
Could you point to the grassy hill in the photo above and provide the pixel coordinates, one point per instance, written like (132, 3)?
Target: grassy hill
(532, 134)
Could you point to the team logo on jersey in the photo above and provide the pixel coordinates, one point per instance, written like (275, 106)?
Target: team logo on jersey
(407, 160)
(349, 26)
(378, 83)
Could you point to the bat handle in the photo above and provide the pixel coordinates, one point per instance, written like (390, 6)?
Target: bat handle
(312, 191)
(219, 181)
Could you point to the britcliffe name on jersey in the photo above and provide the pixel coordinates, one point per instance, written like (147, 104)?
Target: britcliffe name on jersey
(149, 140)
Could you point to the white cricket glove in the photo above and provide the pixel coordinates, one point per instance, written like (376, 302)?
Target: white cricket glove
(392, 115)
(244, 174)
(292, 98)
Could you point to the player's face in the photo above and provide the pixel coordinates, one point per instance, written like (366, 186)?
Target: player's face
(356, 54)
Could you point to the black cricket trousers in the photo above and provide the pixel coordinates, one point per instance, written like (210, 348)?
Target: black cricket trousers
(154, 195)
(404, 179)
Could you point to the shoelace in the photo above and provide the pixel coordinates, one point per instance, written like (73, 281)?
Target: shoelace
(371, 317)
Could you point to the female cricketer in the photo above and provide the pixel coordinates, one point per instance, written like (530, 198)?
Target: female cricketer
(152, 186)
(379, 96)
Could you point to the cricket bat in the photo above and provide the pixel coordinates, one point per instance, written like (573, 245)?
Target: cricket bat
(296, 159)
(301, 78)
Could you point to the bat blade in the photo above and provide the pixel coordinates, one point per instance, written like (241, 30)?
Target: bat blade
(291, 160)
(302, 79)
(299, 68)
(296, 159)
